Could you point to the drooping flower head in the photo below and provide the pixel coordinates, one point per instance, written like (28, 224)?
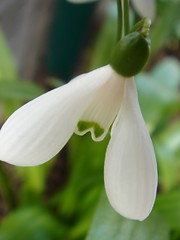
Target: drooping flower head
(93, 102)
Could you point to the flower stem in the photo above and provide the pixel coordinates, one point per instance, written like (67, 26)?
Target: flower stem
(123, 18)
(126, 16)
(120, 20)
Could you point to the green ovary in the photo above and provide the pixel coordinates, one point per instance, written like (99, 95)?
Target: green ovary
(85, 125)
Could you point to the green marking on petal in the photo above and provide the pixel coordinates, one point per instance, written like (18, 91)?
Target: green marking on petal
(84, 125)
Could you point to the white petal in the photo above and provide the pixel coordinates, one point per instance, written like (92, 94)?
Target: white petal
(38, 130)
(102, 108)
(130, 164)
(145, 8)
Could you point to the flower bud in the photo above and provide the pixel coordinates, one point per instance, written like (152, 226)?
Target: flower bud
(131, 54)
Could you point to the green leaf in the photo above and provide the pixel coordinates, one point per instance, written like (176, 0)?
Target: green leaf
(107, 224)
(7, 65)
(89, 169)
(31, 223)
(158, 92)
(168, 154)
(168, 205)
(168, 15)
(155, 99)
(79, 198)
(34, 181)
(19, 90)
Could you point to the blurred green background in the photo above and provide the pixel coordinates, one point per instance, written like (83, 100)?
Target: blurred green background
(64, 198)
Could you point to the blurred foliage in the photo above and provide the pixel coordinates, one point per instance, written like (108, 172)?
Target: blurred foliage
(31, 223)
(110, 225)
(166, 27)
(7, 65)
(13, 91)
(29, 211)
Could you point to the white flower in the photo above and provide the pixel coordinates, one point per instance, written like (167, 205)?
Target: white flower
(91, 102)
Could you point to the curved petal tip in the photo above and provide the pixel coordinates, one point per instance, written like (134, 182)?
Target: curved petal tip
(130, 164)
(38, 130)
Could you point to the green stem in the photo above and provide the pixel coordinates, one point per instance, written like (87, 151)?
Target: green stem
(120, 20)
(126, 16)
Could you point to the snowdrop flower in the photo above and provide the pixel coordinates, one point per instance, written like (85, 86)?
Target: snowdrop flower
(93, 102)
(39, 130)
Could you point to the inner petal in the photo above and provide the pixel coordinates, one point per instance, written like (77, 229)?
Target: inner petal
(102, 108)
